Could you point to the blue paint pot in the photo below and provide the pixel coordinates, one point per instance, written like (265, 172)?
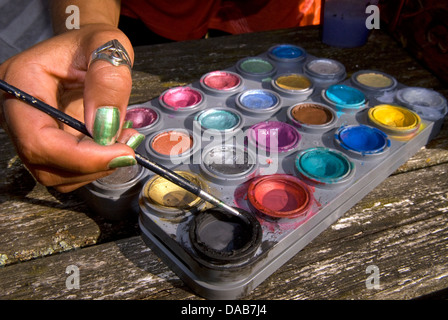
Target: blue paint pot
(258, 102)
(343, 96)
(324, 167)
(362, 140)
(287, 53)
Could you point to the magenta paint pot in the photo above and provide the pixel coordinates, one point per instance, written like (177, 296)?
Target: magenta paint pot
(182, 100)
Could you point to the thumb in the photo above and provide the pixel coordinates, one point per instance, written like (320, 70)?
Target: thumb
(107, 88)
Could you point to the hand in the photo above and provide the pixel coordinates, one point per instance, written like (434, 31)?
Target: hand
(55, 71)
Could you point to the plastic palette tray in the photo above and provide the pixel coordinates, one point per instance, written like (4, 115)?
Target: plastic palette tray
(282, 238)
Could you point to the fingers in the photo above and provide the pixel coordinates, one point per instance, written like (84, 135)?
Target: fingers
(55, 154)
(106, 95)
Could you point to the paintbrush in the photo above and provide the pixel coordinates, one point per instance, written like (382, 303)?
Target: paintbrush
(150, 165)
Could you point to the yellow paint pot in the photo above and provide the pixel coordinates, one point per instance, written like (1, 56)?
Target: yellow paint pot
(164, 198)
(395, 121)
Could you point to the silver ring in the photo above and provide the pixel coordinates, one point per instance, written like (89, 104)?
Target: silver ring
(113, 52)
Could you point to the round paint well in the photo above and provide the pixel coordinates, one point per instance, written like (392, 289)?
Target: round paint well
(172, 142)
(394, 120)
(171, 146)
(222, 238)
(312, 117)
(181, 99)
(325, 70)
(324, 167)
(287, 53)
(344, 96)
(164, 198)
(219, 119)
(373, 81)
(427, 103)
(258, 102)
(120, 177)
(255, 68)
(275, 136)
(221, 82)
(293, 85)
(280, 196)
(228, 164)
(115, 197)
(362, 140)
(142, 118)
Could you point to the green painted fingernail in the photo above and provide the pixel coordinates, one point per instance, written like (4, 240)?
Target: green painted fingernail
(107, 123)
(127, 124)
(123, 161)
(135, 140)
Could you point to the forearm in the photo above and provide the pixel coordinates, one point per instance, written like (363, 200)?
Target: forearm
(90, 12)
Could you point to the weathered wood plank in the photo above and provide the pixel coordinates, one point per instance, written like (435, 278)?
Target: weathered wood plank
(400, 227)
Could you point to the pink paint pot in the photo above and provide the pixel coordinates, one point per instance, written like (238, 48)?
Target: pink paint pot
(182, 99)
(280, 196)
(221, 82)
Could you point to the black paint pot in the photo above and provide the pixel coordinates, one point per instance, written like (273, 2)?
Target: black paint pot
(221, 238)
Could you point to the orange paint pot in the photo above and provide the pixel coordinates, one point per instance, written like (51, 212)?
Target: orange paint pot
(171, 146)
(172, 142)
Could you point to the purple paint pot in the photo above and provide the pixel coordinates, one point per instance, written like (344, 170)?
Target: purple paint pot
(143, 119)
(275, 136)
(182, 99)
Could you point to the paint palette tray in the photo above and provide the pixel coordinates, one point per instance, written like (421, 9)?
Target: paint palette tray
(284, 136)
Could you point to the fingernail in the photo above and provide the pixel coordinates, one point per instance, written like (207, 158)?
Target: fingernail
(107, 123)
(127, 124)
(135, 140)
(123, 161)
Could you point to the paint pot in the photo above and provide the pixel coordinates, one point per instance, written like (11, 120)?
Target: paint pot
(171, 146)
(279, 196)
(312, 117)
(258, 102)
(395, 121)
(293, 85)
(324, 71)
(228, 164)
(344, 98)
(374, 82)
(144, 119)
(221, 238)
(274, 136)
(427, 103)
(287, 53)
(256, 68)
(165, 199)
(221, 83)
(115, 197)
(219, 119)
(182, 100)
(324, 167)
(362, 142)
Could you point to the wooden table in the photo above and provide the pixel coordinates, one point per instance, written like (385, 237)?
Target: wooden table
(401, 227)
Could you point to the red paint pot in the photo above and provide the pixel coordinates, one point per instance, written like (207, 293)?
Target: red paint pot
(280, 196)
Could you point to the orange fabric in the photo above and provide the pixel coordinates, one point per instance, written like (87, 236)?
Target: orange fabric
(190, 19)
(260, 15)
